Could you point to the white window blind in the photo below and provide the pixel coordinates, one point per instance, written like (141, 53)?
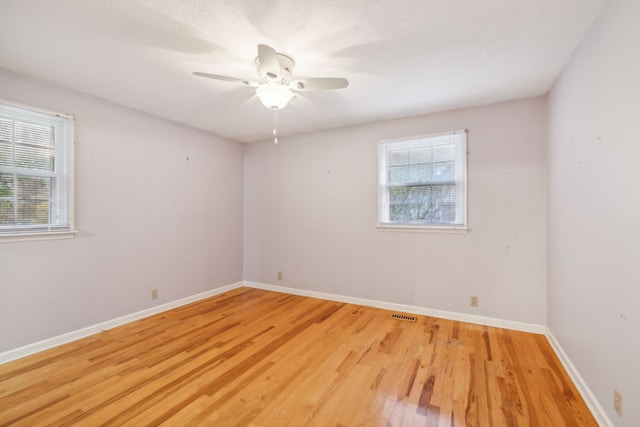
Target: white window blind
(422, 181)
(36, 171)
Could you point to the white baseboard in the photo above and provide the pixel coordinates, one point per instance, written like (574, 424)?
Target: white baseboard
(462, 317)
(39, 346)
(591, 401)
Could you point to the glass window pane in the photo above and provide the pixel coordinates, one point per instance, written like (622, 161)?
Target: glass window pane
(420, 155)
(420, 173)
(398, 158)
(6, 200)
(444, 153)
(6, 185)
(37, 158)
(5, 129)
(34, 134)
(6, 212)
(432, 204)
(443, 171)
(398, 174)
(33, 200)
(447, 213)
(6, 156)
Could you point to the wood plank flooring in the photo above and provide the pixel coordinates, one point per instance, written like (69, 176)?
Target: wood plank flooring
(256, 358)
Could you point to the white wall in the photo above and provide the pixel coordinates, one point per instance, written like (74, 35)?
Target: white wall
(147, 218)
(311, 213)
(594, 206)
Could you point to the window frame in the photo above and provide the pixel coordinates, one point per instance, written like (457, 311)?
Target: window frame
(383, 188)
(64, 155)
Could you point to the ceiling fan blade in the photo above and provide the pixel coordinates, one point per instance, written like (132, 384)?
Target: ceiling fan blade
(226, 78)
(269, 65)
(319, 83)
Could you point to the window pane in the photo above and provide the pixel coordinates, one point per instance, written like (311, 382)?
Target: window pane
(420, 155)
(398, 158)
(443, 171)
(6, 158)
(5, 129)
(6, 200)
(38, 158)
(420, 173)
(444, 153)
(398, 174)
(34, 134)
(430, 203)
(410, 174)
(33, 200)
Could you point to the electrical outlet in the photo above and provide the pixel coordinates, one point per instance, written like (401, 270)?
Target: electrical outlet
(474, 301)
(279, 275)
(617, 401)
(154, 294)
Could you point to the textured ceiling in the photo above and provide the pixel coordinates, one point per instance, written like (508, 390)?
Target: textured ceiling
(401, 57)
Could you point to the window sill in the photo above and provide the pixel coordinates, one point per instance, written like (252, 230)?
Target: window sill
(423, 229)
(25, 237)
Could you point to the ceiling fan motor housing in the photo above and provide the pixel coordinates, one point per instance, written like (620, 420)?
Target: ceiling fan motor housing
(286, 69)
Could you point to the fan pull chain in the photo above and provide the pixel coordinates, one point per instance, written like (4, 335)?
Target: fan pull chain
(275, 125)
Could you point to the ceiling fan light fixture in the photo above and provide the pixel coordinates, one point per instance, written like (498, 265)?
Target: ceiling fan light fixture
(274, 97)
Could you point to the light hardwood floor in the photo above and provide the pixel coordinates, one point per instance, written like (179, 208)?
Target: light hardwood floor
(256, 358)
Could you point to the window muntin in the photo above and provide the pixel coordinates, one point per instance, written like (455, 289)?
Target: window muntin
(36, 172)
(423, 181)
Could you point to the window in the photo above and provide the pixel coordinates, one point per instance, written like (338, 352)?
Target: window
(422, 182)
(36, 173)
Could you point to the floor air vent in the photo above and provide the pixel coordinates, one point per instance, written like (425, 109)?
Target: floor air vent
(402, 316)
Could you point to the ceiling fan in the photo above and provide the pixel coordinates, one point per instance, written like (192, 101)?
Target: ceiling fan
(275, 87)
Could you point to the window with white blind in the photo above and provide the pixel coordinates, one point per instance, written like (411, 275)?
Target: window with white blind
(36, 173)
(422, 182)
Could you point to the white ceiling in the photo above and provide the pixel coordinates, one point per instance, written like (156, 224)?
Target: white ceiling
(401, 57)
